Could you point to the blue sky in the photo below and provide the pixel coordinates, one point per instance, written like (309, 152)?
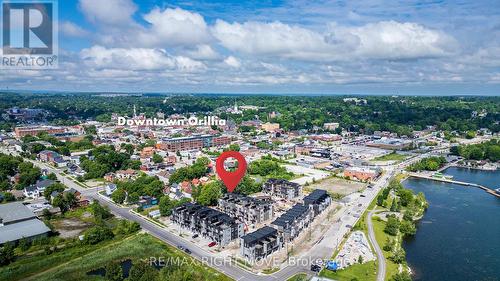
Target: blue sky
(338, 47)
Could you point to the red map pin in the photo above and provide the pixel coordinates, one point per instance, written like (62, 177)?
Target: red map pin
(231, 179)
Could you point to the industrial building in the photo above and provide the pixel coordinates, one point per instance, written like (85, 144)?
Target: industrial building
(18, 222)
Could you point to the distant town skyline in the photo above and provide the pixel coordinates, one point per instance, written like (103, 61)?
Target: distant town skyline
(286, 47)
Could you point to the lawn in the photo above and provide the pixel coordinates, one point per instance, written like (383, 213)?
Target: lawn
(139, 247)
(74, 263)
(393, 156)
(381, 236)
(299, 277)
(366, 272)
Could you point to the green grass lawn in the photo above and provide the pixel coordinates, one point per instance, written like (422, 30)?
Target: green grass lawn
(74, 263)
(366, 272)
(393, 156)
(381, 236)
(299, 277)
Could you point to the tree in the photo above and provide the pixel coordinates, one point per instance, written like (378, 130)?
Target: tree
(393, 205)
(119, 196)
(399, 256)
(157, 158)
(99, 212)
(166, 205)
(389, 245)
(97, 234)
(360, 259)
(52, 176)
(7, 254)
(209, 194)
(114, 271)
(380, 200)
(407, 228)
(141, 271)
(406, 197)
(403, 276)
(59, 187)
(392, 226)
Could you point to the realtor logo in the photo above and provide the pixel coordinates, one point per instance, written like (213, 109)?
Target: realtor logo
(29, 38)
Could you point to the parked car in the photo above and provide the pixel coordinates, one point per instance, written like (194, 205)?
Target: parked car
(180, 247)
(187, 251)
(195, 236)
(315, 268)
(211, 244)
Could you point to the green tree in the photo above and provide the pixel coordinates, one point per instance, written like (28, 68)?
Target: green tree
(119, 196)
(97, 234)
(403, 276)
(114, 271)
(392, 226)
(157, 158)
(7, 254)
(407, 228)
(210, 193)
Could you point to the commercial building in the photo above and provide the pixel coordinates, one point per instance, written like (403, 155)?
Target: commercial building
(193, 142)
(249, 210)
(331, 126)
(360, 173)
(208, 223)
(390, 143)
(18, 222)
(35, 130)
(282, 189)
(270, 127)
(260, 243)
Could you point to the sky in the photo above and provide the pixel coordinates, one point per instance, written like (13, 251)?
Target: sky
(326, 47)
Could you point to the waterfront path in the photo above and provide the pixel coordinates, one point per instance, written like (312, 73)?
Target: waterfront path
(488, 190)
(380, 256)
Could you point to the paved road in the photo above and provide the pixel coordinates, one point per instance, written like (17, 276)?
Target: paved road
(380, 256)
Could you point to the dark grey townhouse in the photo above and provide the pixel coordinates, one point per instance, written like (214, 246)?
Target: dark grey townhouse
(260, 243)
(318, 200)
(208, 223)
(249, 210)
(282, 189)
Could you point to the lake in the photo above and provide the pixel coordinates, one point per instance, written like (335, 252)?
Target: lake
(459, 236)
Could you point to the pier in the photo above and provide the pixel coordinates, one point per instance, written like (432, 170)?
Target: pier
(488, 190)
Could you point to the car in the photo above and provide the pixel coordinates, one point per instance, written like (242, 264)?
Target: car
(362, 195)
(211, 244)
(180, 247)
(315, 268)
(187, 251)
(194, 236)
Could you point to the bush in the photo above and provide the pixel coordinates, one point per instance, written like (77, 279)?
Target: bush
(114, 272)
(97, 234)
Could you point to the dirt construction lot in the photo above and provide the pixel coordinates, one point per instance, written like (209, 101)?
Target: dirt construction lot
(338, 186)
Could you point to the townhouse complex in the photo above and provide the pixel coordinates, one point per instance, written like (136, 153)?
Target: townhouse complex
(286, 228)
(282, 189)
(207, 222)
(249, 210)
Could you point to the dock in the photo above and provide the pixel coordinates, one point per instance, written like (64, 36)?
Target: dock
(488, 190)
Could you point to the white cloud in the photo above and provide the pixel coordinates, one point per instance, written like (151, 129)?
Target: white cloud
(232, 62)
(72, 30)
(382, 40)
(113, 12)
(137, 59)
(174, 27)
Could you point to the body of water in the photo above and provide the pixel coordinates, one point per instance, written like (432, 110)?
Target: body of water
(459, 236)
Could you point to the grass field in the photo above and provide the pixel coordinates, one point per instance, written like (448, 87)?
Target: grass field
(299, 277)
(393, 156)
(366, 272)
(381, 236)
(74, 263)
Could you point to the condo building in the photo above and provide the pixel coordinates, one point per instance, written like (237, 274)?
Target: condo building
(208, 223)
(247, 209)
(193, 142)
(318, 200)
(291, 223)
(282, 189)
